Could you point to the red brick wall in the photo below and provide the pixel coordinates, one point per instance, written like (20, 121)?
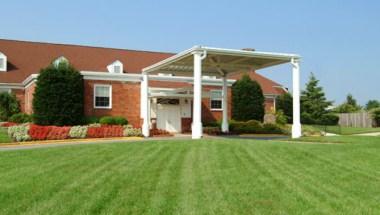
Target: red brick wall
(269, 105)
(20, 97)
(211, 115)
(29, 91)
(125, 100)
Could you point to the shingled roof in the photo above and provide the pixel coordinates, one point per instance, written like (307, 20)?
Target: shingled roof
(26, 58)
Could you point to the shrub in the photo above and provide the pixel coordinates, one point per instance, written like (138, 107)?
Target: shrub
(58, 133)
(113, 120)
(306, 118)
(329, 119)
(376, 115)
(8, 124)
(19, 133)
(281, 118)
(247, 100)
(159, 132)
(58, 97)
(78, 132)
(8, 105)
(91, 120)
(285, 104)
(129, 131)
(212, 130)
(105, 131)
(20, 118)
(269, 128)
(249, 127)
(38, 132)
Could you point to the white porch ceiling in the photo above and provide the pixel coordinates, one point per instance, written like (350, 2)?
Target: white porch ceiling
(219, 61)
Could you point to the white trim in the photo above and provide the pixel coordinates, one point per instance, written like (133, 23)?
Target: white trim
(106, 76)
(111, 67)
(4, 57)
(221, 99)
(110, 96)
(210, 50)
(11, 86)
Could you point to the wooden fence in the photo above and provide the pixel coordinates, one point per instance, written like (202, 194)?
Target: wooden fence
(358, 120)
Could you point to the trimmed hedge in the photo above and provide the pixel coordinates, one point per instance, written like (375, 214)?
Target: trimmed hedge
(113, 120)
(255, 127)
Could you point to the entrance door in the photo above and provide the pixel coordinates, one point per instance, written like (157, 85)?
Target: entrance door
(169, 116)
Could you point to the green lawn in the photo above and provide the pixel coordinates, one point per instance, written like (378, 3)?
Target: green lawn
(4, 136)
(346, 130)
(193, 177)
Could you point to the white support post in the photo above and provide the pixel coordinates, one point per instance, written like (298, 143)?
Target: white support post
(196, 127)
(225, 105)
(296, 128)
(145, 111)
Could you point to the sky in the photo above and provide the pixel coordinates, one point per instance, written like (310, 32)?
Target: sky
(338, 40)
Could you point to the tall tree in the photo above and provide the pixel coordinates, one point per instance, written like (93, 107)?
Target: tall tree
(58, 97)
(313, 101)
(247, 100)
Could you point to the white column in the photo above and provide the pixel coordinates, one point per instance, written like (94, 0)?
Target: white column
(225, 105)
(296, 128)
(197, 129)
(145, 111)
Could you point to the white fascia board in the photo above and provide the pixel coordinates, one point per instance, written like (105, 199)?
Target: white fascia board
(237, 52)
(205, 81)
(11, 86)
(91, 75)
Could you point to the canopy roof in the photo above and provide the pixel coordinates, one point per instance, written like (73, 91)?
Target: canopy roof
(219, 61)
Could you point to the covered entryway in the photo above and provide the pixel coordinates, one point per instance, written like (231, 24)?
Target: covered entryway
(169, 115)
(199, 61)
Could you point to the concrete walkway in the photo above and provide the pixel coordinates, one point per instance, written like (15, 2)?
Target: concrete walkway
(374, 134)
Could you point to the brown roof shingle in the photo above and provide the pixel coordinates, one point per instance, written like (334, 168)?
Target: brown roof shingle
(26, 58)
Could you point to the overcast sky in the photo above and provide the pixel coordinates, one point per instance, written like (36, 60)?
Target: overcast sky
(338, 40)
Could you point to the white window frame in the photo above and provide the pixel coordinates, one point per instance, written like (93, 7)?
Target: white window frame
(111, 67)
(110, 96)
(4, 57)
(60, 60)
(211, 99)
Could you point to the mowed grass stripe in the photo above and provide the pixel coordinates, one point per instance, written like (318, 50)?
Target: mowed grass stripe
(85, 181)
(193, 177)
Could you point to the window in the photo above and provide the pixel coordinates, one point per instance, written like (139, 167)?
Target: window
(103, 96)
(3, 62)
(216, 99)
(115, 67)
(60, 60)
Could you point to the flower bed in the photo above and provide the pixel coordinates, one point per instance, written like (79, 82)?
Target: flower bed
(27, 132)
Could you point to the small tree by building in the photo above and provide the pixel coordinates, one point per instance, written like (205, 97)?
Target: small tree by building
(58, 97)
(313, 102)
(372, 104)
(247, 100)
(285, 104)
(9, 105)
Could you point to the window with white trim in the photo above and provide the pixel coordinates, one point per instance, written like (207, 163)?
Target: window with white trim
(216, 100)
(103, 96)
(115, 67)
(3, 62)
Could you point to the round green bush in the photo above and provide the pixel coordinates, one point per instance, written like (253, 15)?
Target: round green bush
(20, 118)
(247, 100)
(113, 120)
(58, 97)
(9, 105)
(329, 119)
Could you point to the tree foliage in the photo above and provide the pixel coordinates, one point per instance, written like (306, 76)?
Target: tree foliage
(284, 103)
(372, 104)
(9, 105)
(58, 97)
(247, 100)
(313, 102)
(349, 106)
